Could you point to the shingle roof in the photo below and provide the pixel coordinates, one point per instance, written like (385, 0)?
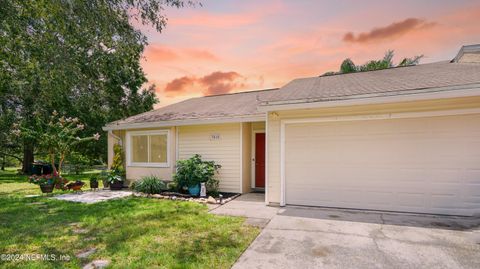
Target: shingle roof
(207, 107)
(393, 81)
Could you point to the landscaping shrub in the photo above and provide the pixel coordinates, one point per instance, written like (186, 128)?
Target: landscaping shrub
(194, 171)
(117, 163)
(150, 185)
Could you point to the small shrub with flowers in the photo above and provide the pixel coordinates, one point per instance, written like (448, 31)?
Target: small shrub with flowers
(49, 179)
(42, 180)
(58, 137)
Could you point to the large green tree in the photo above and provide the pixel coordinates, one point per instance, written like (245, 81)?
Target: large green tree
(78, 57)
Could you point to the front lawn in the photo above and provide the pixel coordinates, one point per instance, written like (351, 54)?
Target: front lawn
(131, 233)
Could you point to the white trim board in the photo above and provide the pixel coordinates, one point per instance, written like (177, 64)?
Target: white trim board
(284, 122)
(241, 157)
(143, 125)
(129, 135)
(266, 160)
(177, 151)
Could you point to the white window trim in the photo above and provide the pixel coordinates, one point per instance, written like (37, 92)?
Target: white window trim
(154, 132)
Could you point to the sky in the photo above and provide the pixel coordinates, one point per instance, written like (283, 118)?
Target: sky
(232, 46)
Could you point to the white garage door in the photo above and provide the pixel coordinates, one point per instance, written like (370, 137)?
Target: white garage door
(425, 165)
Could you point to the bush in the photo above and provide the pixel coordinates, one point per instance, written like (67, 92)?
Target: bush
(117, 163)
(193, 171)
(77, 163)
(150, 185)
(93, 179)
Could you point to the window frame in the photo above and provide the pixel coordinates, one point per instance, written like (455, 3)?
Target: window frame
(148, 134)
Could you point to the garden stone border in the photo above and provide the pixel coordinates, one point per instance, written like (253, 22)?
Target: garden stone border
(209, 200)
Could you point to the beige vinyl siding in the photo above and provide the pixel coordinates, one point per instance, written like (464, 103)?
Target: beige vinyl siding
(275, 117)
(258, 126)
(246, 151)
(134, 173)
(224, 151)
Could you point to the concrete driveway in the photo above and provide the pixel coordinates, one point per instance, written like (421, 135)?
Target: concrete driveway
(298, 237)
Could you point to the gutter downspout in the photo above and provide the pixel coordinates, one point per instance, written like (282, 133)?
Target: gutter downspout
(110, 132)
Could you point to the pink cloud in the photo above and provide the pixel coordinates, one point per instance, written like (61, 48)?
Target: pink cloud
(200, 54)
(215, 83)
(387, 32)
(220, 82)
(161, 53)
(180, 85)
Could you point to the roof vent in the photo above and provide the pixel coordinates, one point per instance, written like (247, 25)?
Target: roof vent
(468, 54)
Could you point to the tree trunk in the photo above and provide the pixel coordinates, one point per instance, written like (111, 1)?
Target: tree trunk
(4, 160)
(28, 158)
(52, 162)
(60, 163)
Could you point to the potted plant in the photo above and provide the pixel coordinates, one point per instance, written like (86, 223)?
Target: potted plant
(93, 182)
(191, 172)
(46, 182)
(115, 181)
(104, 178)
(117, 172)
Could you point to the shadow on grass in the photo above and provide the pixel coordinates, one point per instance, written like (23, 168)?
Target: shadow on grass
(131, 232)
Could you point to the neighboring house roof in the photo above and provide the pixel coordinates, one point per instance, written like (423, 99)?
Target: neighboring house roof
(469, 53)
(393, 81)
(233, 105)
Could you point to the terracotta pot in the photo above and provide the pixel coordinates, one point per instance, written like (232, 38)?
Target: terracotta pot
(115, 186)
(46, 188)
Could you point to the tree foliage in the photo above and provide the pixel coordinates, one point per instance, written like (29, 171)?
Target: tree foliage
(348, 66)
(59, 137)
(78, 57)
(118, 161)
(386, 62)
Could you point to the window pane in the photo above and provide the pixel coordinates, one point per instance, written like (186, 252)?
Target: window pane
(158, 149)
(139, 149)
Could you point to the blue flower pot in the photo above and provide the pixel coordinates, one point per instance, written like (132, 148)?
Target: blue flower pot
(194, 190)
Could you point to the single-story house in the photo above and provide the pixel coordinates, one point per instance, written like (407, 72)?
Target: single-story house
(402, 139)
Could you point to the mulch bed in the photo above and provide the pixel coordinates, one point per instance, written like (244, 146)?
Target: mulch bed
(226, 197)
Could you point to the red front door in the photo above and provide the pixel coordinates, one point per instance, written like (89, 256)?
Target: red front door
(260, 160)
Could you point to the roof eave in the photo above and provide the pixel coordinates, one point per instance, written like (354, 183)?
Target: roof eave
(404, 96)
(170, 123)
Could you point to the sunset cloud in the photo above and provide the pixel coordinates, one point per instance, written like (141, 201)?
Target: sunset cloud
(180, 85)
(390, 31)
(220, 82)
(200, 54)
(160, 53)
(212, 84)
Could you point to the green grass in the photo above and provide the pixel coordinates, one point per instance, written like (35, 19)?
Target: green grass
(12, 184)
(131, 233)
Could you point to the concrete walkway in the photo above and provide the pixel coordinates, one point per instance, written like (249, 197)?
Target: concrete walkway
(303, 237)
(250, 205)
(90, 197)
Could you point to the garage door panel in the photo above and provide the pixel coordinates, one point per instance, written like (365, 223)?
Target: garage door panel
(427, 165)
